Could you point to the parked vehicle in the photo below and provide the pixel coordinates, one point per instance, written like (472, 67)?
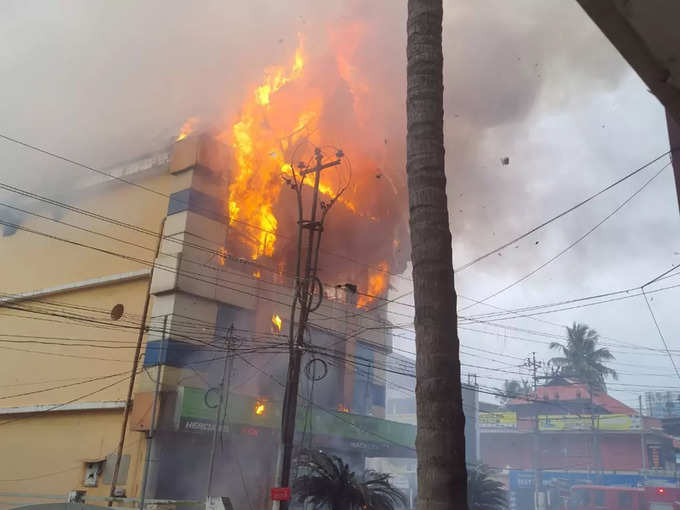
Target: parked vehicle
(601, 497)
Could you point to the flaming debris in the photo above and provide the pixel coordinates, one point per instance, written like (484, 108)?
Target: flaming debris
(378, 279)
(259, 408)
(276, 323)
(187, 128)
(222, 256)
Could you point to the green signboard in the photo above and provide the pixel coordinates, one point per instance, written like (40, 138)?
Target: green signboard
(196, 410)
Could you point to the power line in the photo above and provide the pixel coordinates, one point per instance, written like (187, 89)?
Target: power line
(162, 194)
(574, 243)
(658, 329)
(461, 268)
(565, 212)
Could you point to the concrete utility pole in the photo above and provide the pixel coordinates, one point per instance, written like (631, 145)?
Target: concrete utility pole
(133, 372)
(534, 365)
(305, 286)
(538, 474)
(643, 445)
(154, 407)
(223, 404)
(538, 478)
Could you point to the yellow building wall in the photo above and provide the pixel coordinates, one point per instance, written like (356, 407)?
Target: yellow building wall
(42, 350)
(37, 262)
(48, 359)
(46, 453)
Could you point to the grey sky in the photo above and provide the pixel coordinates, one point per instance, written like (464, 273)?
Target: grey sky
(532, 80)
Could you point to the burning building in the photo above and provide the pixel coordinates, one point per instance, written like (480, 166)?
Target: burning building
(215, 296)
(221, 285)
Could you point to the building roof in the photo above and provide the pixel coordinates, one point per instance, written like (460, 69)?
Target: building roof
(573, 391)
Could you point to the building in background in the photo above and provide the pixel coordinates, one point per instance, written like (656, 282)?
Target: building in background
(662, 404)
(564, 435)
(76, 281)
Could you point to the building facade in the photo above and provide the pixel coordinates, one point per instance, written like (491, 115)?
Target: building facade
(563, 435)
(74, 297)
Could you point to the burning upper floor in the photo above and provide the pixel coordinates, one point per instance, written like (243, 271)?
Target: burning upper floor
(315, 100)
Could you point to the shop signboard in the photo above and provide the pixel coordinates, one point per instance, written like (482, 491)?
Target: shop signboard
(567, 422)
(195, 412)
(498, 420)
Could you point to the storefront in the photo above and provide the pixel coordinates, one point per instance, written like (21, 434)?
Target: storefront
(247, 446)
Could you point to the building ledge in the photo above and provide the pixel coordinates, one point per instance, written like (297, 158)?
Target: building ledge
(83, 284)
(76, 406)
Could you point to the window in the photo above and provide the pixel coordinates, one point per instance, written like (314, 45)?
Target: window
(625, 500)
(598, 498)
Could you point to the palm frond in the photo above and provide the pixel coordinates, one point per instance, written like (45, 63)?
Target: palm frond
(329, 482)
(485, 493)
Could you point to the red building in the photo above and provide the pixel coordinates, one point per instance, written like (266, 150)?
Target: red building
(564, 435)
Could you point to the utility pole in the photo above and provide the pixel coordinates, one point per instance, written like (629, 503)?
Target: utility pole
(223, 403)
(595, 427)
(534, 366)
(152, 425)
(305, 286)
(643, 444)
(133, 372)
(538, 475)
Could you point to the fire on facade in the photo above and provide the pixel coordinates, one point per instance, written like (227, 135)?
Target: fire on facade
(235, 202)
(293, 109)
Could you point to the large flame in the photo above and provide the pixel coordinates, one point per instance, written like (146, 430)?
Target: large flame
(258, 151)
(319, 100)
(378, 280)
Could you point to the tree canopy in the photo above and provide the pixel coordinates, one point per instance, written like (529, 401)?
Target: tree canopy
(328, 482)
(513, 389)
(484, 493)
(582, 359)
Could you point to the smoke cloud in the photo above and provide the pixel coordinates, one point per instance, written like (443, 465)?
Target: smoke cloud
(533, 81)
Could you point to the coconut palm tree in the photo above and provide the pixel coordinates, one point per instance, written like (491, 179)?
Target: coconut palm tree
(581, 358)
(440, 439)
(329, 483)
(513, 389)
(485, 493)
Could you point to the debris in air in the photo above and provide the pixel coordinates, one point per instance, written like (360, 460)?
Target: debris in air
(505, 161)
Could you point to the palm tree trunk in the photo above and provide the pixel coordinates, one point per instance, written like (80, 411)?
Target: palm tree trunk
(440, 442)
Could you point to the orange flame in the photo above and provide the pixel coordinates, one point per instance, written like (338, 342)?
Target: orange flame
(316, 101)
(377, 284)
(259, 408)
(276, 323)
(257, 273)
(187, 128)
(257, 184)
(222, 256)
(260, 137)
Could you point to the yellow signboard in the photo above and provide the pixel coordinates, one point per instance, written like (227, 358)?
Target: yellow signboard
(613, 422)
(498, 420)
